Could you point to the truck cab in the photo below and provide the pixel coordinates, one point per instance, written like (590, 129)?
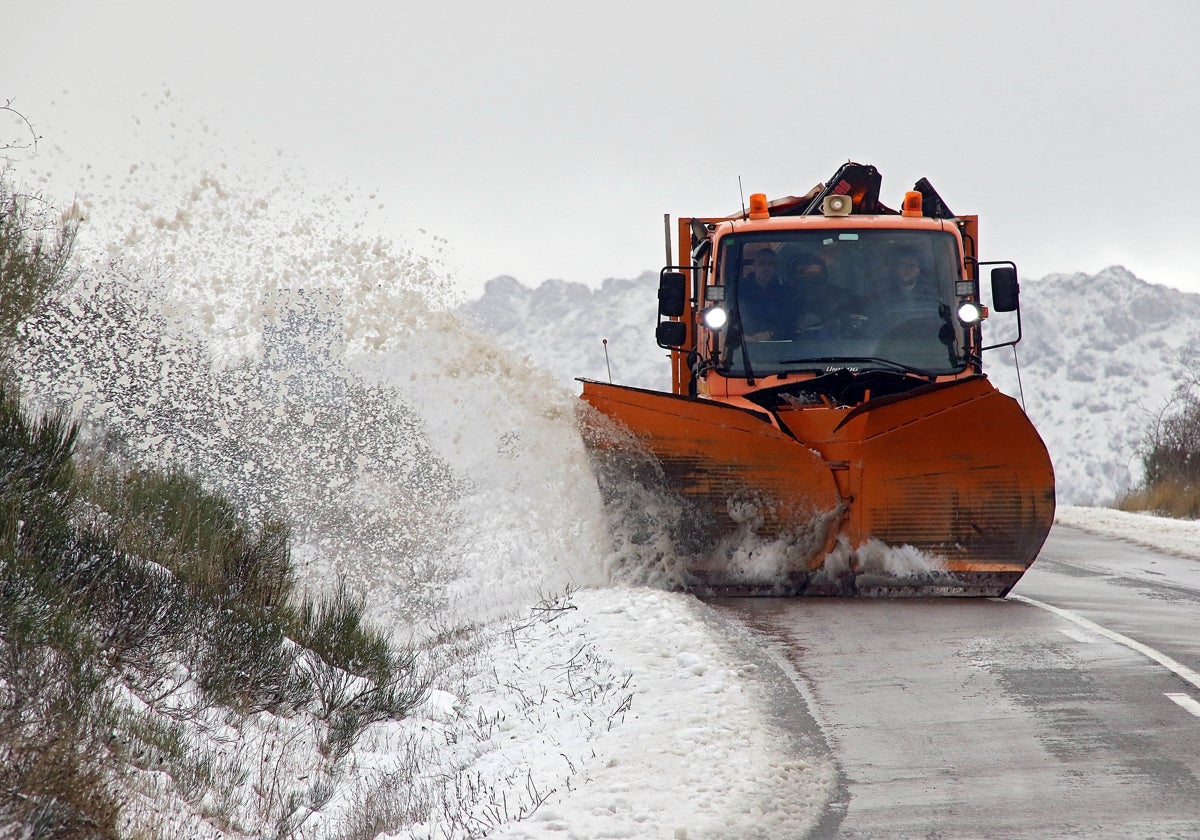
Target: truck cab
(804, 287)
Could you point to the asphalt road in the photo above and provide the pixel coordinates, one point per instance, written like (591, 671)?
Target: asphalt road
(1070, 709)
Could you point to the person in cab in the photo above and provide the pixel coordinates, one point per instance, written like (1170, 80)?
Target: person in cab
(764, 305)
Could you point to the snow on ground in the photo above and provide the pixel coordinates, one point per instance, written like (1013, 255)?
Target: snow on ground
(658, 725)
(1180, 537)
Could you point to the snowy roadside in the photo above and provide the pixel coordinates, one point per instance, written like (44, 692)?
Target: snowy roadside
(1180, 537)
(630, 713)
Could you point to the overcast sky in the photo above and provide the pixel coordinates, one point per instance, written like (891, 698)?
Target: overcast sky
(548, 139)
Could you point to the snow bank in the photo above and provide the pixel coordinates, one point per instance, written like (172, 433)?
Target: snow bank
(1180, 537)
(683, 745)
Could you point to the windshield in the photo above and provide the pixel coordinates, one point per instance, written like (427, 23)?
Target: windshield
(823, 300)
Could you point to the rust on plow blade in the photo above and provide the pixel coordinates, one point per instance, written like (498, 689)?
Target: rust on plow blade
(945, 489)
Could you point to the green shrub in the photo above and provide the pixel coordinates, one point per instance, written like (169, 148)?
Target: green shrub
(36, 478)
(171, 519)
(334, 629)
(358, 676)
(53, 684)
(243, 663)
(35, 250)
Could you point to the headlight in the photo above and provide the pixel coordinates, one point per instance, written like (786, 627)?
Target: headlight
(714, 317)
(970, 313)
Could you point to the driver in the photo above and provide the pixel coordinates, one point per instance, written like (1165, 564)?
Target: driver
(763, 305)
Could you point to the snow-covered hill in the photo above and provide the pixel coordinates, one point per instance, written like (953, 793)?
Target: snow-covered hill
(1099, 357)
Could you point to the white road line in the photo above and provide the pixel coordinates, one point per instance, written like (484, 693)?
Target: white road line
(1180, 670)
(1072, 633)
(1188, 702)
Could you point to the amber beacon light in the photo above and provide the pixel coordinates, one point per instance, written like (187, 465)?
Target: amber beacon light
(758, 206)
(912, 204)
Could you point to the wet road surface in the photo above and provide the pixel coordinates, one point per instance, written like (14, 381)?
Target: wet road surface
(988, 718)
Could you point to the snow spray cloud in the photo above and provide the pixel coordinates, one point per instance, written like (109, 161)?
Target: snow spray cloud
(173, 355)
(255, 336)
(529, 520)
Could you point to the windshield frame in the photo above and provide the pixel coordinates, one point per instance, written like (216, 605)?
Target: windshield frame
(825, 274)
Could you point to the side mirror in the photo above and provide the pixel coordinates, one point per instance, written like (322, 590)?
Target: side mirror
(1006, 292)
(672, 294)
(671, 334)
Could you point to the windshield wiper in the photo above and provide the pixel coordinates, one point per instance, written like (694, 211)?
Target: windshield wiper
(889, 363)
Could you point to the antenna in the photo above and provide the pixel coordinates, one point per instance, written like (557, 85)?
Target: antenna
(742, 196)
(1020, 384)
(606, 364)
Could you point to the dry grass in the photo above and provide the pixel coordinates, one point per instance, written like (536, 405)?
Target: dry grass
(1166, 498)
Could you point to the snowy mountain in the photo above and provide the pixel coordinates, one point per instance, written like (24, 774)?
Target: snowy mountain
(1099, 357)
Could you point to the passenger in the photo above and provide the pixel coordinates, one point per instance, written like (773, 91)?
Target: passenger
(810, 291)
(905, 277)
(905, 288)
(906, 307)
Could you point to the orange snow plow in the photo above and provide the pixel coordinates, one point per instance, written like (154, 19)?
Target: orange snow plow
(830, 429)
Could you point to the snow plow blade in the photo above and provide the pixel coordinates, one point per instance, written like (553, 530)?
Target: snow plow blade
(944, 489)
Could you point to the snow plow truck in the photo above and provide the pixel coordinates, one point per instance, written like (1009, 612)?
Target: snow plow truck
(830, 429)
